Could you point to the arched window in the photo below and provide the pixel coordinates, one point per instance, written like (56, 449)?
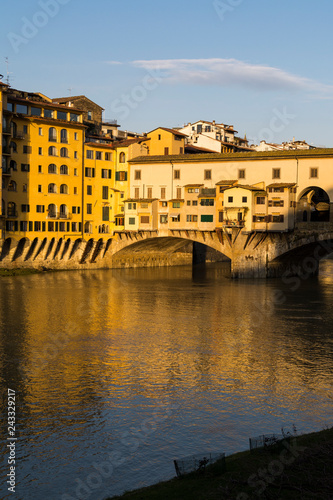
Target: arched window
(64, 189)
(13, 146)
(88, 227)
(52, 210)
(52, 151)
(52, 188)
(12, 186)
(122, 158)
(64, 152)
(52, 134)
(11, 209)
(63, 211)
(64, 170)
(64, 136)
(52, 168)
(13, 165)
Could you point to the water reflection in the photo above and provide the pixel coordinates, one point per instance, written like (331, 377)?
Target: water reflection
(92, 355)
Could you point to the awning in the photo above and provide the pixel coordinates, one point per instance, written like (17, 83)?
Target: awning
(174, 216)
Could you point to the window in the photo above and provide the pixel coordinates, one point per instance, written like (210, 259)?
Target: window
(52, 134)
(276, 172)
(159, 137)
(195, 203)
(98, 155)
(74, 118)
(63, 211)
(278, 218)
(144, 219)
(63, 189)
(314, 172)
(121, 176)
(260, 200)
(163, 193)
(40, 209)
(122, 158)
(11, 209)
(176, 174)
(48, 113)
(108, 156)
(149, 192)
(105, 192)
(163, 219)
(13, 165)
(89, 115)
(64, 152)
(75, 155)
(25, 188)
(35, 111)
(166, 151)
(38, 226)
(25, 208)
(241, 173)
(64, 170)
(106, 173)
(136, 192)
(89, 154)
(52, 151)
(40, 170)
(63, 136)
(179, 193)
(74, 227)
(89, 172)
(21, 108)
(76, 136)
(52, 188)
(52, 168)
(75, 171)
(26, 150)
(61, 115)
(164, 203)
(207, 174)
(40, 131)
(131, 221)
(13, 146)
(25, 167)
(143, 205)
(137, 175)
(259, 218)
(40, 151)
(221, 216)
(188, 203)
(105, 213)
(244, 199)
(207, 218)
(12, 186)
(52, 211)
(89, 208)
(23, 225)
(75, 190)
(207, 202)
(191, 218)
(176, 204)
(89, 190)
(39, 188)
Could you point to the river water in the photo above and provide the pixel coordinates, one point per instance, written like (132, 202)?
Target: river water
(118, 372)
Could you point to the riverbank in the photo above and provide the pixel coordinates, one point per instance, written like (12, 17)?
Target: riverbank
(300, 469)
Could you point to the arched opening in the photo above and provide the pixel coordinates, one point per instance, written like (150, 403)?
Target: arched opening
(63, 189)
(6, 248)
(52, 134)
(63, 136)
(52, 169)
(52, 188)
(63, 212)
(122, 158)
(64, 170)
(313, 205)
(52, 211)
(20, 249)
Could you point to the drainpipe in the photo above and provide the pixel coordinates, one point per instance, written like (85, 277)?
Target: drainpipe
(82, 207)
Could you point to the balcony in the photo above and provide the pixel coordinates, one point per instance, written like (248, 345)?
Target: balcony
(11, 213)
(207, 192)
(52, 215)
(19, 135)
(63, 215)
(233, 223)
(64, 140)
(6, 129)
(6, 150)
(6, 171)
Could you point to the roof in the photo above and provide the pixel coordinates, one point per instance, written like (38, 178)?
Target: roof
(250, 156)
(177, 199)
(282, 184)
(141, 200)
(75, 98)
(246, 186)
(98, 145)
(193, 185)
(129, 142)
(42, 103)
(226, 183)
(171, 130)
(189, 147)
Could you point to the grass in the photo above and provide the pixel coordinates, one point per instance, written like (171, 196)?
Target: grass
(302, 471)
(19, 271)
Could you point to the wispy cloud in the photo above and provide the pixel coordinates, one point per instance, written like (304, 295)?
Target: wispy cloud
(231, 72)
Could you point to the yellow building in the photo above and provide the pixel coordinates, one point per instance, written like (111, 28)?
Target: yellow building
(166, 141)
(43, 159)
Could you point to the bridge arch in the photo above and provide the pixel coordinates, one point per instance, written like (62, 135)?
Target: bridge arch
(313, 205)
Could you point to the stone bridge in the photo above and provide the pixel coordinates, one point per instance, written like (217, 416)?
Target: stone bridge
(254, 255)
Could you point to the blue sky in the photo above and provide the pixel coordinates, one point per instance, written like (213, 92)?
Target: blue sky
(264, 67)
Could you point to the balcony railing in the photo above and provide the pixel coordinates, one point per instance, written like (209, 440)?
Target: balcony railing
(11, 213)
(233, 223)
(64, 140)
(52, 215)
(19, 135)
